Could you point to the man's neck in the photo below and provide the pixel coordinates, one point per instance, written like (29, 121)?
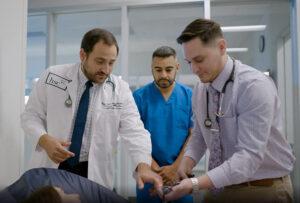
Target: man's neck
(166, 92)
(223, 62)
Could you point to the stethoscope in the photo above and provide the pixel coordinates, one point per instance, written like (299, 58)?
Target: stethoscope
(220, 113)
(68, 101)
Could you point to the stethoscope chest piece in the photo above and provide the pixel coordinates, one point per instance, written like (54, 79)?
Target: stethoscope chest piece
(207, 123)
(68, 102)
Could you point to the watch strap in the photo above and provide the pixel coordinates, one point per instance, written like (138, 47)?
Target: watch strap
(195, 185)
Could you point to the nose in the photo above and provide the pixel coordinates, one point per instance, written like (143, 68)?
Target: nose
(163, 74)
(105, 68)
(194, 68)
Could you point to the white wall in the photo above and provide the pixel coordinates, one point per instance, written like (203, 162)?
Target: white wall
(296, 179)
(13, 19)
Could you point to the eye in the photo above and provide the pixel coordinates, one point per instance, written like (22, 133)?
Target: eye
(199, 60)
(99, 62)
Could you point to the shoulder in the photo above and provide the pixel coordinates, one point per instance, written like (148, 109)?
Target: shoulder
(61, 69)
(119, 83)
(184, 88)
(143, 91)
(65, 71)
(254, 86)
(247, 77)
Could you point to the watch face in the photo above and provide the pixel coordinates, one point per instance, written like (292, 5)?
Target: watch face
(262, 43)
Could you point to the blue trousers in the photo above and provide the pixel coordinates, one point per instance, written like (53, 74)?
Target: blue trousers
(143, 196)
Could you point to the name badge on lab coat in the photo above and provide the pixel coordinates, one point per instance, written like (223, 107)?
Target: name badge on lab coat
(57, 81)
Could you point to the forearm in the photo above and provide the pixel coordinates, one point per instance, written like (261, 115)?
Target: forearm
(204, 182)
(178, 159)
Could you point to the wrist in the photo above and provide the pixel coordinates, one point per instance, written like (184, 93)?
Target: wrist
(43, 140)
(142, 166)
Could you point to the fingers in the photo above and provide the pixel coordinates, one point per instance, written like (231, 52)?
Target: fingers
(65, 152)
(182, 175)
(177, 178)
(140, 183)
(66, 144)
(157, 182)
(167, 180)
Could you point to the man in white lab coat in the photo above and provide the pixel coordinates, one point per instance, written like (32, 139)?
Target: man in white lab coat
(54, 116)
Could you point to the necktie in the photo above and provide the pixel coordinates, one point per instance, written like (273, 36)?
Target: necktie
(79, 125)
(215, 158)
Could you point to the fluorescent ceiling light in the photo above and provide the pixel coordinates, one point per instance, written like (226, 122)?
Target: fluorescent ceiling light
(230, 50)
(247, 28)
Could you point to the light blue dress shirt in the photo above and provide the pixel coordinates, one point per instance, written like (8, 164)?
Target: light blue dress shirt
(251, 131)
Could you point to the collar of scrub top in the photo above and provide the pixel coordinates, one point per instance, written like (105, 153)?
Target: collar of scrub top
(220, 84)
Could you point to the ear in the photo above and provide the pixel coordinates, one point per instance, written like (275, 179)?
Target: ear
(177, 68)
(82, 55)
(222, 45)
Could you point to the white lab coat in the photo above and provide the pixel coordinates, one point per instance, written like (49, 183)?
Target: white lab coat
(46, 113)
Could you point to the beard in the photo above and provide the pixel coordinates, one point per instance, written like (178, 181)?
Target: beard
(166, 84)
(94, 77)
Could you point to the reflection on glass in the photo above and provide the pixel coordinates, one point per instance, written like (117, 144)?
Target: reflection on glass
(36, 50)
(71, 28)
(275, 15)
(156, 26)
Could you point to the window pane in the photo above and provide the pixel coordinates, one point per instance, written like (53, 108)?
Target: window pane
(273, 14)
(71, 28)
(156, 26)
(35, 63)
(36, 50)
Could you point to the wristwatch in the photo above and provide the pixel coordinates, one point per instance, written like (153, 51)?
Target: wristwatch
(195, 185)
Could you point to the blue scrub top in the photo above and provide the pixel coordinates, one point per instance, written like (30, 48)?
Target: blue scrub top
(167, 121)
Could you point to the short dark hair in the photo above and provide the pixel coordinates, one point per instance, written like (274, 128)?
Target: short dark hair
(164, 52)
(206, 30)
(95, 35)
(45, 194)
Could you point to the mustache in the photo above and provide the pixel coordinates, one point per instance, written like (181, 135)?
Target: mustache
(101, 73)
(164, 79)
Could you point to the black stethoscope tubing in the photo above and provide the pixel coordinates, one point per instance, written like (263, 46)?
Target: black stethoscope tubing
(207, 121)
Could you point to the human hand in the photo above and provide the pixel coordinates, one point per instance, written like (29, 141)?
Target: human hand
(55, 148)
(154, 166)
(185, 169)
(168, 174)
(184, 187)
(145, 174)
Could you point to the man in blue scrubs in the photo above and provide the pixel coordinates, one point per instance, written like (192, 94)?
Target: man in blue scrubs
(165, 109)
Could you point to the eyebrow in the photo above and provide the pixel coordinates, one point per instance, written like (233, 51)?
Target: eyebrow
(197, 57)
(158, 67)
(100, 58)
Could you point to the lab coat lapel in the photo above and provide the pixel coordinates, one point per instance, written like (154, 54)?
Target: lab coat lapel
(73, 85)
